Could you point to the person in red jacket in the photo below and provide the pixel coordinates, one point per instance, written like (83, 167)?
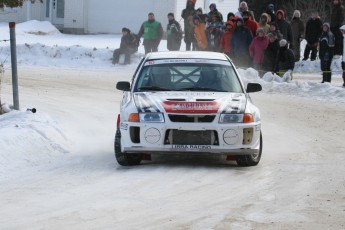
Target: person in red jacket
(225, 41)
(251, 24)
(257, 49)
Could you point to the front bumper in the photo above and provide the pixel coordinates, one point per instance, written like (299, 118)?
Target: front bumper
(219, 139)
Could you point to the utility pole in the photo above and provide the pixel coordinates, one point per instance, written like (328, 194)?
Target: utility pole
(12, 26)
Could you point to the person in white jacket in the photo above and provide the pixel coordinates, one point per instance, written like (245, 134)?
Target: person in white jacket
(342, 29)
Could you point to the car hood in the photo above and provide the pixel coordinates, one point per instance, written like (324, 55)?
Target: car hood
(190, 102)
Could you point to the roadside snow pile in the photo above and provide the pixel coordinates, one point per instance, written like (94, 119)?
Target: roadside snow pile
(37, 28)
(76, 56)
(308, 67)
(272, 83)
(28, 140)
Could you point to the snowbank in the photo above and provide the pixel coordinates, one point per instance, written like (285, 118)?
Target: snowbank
(273, 83)
(22, 133)
(37, 28)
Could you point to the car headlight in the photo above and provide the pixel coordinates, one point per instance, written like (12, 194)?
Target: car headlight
(151, 117)
(231, 118)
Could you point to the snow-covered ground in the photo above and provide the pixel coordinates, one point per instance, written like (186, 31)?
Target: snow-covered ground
(57, 169)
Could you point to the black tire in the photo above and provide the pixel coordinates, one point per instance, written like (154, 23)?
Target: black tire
(125, 159)
(250, 160)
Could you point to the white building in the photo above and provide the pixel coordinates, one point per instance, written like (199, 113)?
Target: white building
(106, 16)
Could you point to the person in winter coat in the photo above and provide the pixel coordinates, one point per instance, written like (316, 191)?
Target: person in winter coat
(200, 14)
(152, 31)
(297, 27)
(274, 28)
(225, 41)
(342, 29)
(174, 33)
(264, 22)
(243, 7)
(250, 23)
(241, 39)
(214, 12)
(326, 52)
(337, 19)
(199, 33)
(284, 27)
(313, 32)
(214, 33)
(286, 59)
(271, 52)
(257, 49)
(270, 12)
(230, 16)
(187, 15)
(128, 46)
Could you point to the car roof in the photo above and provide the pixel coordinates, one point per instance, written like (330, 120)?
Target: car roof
(186, 55)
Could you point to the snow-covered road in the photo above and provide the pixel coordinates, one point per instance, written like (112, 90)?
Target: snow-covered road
(299, 183)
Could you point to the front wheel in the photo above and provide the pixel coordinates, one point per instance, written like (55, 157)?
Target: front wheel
(250, 160)
(124, 159)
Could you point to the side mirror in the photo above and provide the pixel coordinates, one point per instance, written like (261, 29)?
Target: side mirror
(253, 87)
(123, 85)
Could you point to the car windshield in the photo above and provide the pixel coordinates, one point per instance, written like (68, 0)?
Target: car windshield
(188, 75)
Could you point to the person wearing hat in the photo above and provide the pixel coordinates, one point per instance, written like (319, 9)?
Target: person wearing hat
(257, 49)
(313, 31)
(187, 15)
(152, 31)
(225, 41)
(174, 33)
(284, 27)
(274, 28)
(326, 52)
(271, 52)
(241, 39)
(243, 7)
(286, 58)
(250, 23)
(230, 16)
(199, 33)
(214, 12)
(128, 46)
(342, 29)
(270, 12)
(200, 14)
(297, 28)
(265, 19)
(214, 32)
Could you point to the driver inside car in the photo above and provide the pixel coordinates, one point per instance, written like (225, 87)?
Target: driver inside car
(208, 79)
(161, 77)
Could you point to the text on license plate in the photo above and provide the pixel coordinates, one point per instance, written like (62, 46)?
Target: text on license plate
(191, 147)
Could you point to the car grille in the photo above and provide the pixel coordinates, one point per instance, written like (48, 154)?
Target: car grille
(184, 137)
(191, 118)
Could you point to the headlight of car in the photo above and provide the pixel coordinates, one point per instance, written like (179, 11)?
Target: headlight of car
(231, 118)
(236, 118)
(151, 117)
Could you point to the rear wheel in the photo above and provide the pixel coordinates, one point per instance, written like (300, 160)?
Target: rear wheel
(250, 160)
(125, 159)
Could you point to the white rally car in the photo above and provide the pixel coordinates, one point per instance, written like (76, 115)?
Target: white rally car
(185, 102)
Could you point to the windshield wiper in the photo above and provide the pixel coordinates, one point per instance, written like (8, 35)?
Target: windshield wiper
(198, 88)
(153, 87)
